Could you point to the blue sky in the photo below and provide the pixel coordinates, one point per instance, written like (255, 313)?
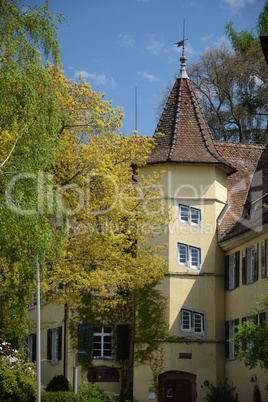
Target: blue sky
(123, 44)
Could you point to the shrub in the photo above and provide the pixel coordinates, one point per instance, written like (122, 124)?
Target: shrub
(60, 396)
(58, 383)
(18, 380)
(91, 392)
(221, 393)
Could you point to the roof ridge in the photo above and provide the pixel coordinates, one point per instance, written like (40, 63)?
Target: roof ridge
(175, 130)
(198, 111)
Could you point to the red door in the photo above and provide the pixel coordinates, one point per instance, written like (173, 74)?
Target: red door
(177, 390)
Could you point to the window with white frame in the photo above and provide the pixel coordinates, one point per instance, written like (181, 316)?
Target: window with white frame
(250, 264)
(103, 342)
(191, 322)
(189, 215)
(188, 256)
(54, 344)
(230, 346)
(232, 270)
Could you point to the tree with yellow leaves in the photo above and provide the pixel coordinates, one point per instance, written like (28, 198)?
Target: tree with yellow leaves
(114, 216)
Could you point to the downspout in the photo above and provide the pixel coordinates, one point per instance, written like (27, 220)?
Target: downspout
(65, 339)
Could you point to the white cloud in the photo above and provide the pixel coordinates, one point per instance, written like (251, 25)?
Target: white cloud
(206, 38)
(125, 40)
(236, 4)
(95, 79)
(147, 76)
(156, 47)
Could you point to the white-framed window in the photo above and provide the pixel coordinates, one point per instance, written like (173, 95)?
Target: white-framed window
(186, 322)
(189, 215)
(189, 256)
(232, 272)
(103, 342)
(192, 321)
(230, 346)
(250, 264)
(198, 323)
(54, 344)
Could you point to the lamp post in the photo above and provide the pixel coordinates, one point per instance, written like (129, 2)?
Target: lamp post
(38, 337)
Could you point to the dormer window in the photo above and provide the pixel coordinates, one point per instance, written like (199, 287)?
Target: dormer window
(189, 215)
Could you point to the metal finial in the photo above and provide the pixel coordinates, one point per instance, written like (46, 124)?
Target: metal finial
(183, 73)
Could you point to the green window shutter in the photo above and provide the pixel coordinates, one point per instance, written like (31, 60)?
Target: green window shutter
(256, 262)
(262, 318)
(237, 268)
(263, 250)
(266, 258)
(49, 344)
(34, 348)
(226, 282)
(244, 267)
(236, 322)
(244, 344)
(226, 339)
(122, 350)
(59, 343)
(84, 340)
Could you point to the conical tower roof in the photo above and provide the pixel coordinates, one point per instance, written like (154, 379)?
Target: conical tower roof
(185, 137)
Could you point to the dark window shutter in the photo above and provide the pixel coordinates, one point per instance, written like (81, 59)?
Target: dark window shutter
(237, 268)
(256, 262)
(122, 350)
(49, 344)
(262, 318)
(59, 343)
(244, 267)
(266, 258)
(244, 345)
(227, 259)
(84, 340)
(34, 348)
(226, 339)
(236, 346)
(263, 248)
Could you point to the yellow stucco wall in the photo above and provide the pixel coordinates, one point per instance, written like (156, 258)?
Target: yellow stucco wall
(53, 316)
(203, 188)
(239, 302)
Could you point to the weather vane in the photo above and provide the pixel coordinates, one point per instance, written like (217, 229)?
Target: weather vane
(181, 43)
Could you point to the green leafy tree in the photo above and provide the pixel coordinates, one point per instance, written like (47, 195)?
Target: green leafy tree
(232, 90)
(30, 122)
(252, 336)
(222, 392)
(244, 40)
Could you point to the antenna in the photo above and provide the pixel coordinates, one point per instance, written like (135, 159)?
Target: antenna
(183, 36)
(136, 112)
(181, 43)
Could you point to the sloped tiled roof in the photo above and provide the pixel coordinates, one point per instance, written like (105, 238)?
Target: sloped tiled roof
(247, 160)
(185, 135)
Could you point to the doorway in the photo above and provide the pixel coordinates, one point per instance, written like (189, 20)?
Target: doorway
(177, 386)
(256, 395)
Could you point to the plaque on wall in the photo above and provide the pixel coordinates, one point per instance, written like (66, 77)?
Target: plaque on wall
(103, 374)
